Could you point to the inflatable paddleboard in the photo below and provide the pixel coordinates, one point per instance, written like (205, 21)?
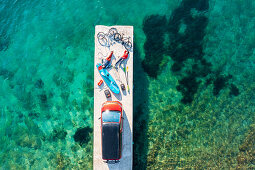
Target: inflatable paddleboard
(108, 79)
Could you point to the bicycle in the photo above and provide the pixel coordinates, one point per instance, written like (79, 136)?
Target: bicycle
(125, 41)
(106, 39)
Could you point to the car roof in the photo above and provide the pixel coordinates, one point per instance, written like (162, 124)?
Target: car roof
(111, 141)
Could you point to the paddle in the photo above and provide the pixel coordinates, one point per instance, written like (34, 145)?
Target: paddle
(127, 79)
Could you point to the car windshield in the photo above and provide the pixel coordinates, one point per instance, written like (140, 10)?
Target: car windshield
(111, 116)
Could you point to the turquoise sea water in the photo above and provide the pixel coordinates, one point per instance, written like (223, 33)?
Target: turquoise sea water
(194, 82)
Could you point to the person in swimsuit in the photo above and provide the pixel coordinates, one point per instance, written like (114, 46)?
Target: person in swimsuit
(125, 56)
(107, 61)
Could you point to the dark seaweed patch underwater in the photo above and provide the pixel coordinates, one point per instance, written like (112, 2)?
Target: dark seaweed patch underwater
(194, 83)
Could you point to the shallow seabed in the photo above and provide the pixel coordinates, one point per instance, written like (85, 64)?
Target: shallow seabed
(194, 82)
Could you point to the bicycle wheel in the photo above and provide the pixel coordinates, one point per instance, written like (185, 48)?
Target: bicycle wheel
(128, 45)
(117, 37)
(102, 39)
(112, 32)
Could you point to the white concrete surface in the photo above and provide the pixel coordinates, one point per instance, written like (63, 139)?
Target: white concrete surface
(124, 97)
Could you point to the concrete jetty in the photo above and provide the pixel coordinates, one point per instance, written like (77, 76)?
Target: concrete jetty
(102, 50)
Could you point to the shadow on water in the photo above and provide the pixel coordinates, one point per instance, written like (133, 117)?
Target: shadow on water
(154, 28)
(140, 147)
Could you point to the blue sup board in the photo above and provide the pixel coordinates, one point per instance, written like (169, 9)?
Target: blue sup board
(108, 79)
